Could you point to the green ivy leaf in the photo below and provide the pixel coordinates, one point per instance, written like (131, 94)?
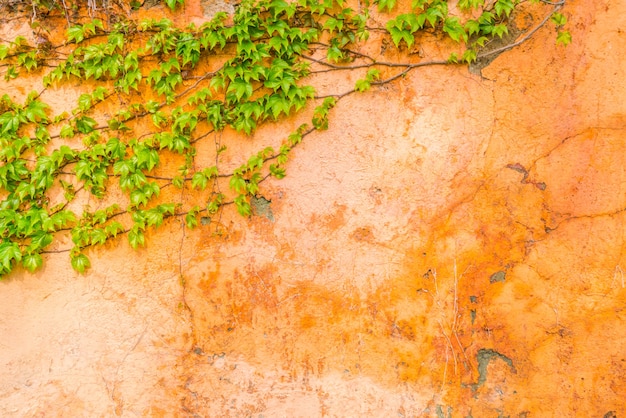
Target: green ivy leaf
(115, 149)
(167, 208)
(500, 30)
(136, 237)
(277, 171)
(98, 236)
(80, 262)
(154, 217)
(558, 19)
(214, 205)
(386, 4)
(243, 207)
(362, 85)
(191, 219)
(399, 35)
(454, 29)
(40, 240)
(32, 262)
(241, 88)
(470, 4)
(116, 40)
(178, 182)
(504, 7)
(113, 228)
(85, 124)
(237, 183)
(138, 197)
(173, 3)
(188, 47)
(11, 73)
(124, 168)
(472, 27)
(4, 51)
(469, 56)
(9, 253)
(199, 181)
(84, 102)
(36, 112)
(563, 37)
(75, 34)
(146, 158)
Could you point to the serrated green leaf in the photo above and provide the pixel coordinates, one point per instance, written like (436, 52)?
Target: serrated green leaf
(136, 237)
(85, 124)
(470, 4)
(154, 217)
(75, 34)
(4, 51)
(454, 29)
(138, 197)
(362, 85)
(178, 182)
(558, 19)
(167, 208)
(199, 181)
(243, 207)
(237, 183)
(124, 167)
(32, 262)
(113, 228)
(504, 7)
(386, 4)
(277, 171)
(469, 56)
(191, 220)
(98, 236)
(500, 30)
(80, 262)
(115, 149)
(84, 102)
(9, 253)
(116, 40)
(173, 3)
(564, 37)
(40, 240)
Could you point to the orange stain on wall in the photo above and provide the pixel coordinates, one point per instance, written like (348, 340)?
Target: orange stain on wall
(418, 263)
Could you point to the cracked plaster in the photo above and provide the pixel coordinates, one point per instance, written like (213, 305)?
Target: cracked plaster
(370, 294)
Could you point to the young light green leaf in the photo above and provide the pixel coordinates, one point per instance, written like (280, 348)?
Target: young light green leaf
(237, 183)
(85, 124)
(191, 220)
(84, 102)
(9, 253)
(564, 37)
(386, 4)
(243, 207)
(199, 181)
(558, 19)
(362, 85)
(80, 262)
(136, 237)
(32, 262)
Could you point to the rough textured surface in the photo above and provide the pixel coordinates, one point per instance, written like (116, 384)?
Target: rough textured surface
(451, 246)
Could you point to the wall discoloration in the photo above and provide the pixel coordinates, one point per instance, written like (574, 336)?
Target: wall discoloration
(369, 292)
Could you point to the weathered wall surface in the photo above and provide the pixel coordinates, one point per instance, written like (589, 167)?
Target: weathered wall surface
(452, 246)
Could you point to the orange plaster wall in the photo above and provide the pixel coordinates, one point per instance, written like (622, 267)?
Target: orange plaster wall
(452, 246)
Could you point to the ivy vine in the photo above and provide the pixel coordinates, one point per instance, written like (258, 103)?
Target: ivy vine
(175, 89)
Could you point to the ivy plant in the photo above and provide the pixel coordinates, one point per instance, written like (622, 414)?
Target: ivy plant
(174, 90)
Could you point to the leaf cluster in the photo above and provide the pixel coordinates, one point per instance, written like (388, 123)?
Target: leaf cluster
(171, 88)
